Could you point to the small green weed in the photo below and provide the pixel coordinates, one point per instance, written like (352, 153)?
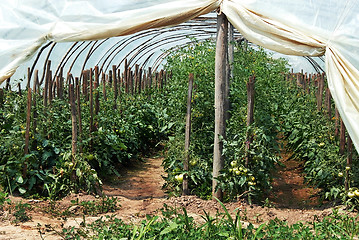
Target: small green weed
(20, 213)
(105, 205)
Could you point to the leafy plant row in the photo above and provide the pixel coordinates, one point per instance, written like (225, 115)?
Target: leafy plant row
(179, 225)
(285, 117)
(122, 135)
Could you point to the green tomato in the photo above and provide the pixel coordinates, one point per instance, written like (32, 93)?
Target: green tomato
(356, 192)
(193, 163)
(179, 177)
(237, 172)
(340, 174)
(351, 194)
(233, 164)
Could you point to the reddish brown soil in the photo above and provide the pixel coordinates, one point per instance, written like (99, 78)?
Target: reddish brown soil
(140, 193)
(289, 188)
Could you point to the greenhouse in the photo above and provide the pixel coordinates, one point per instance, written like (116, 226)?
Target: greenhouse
(91, 89)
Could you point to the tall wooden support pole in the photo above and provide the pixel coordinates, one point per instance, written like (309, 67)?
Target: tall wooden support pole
(27, 132)
(342, 138)
(187, 135)
(221, 94)
(73, 121)
(250, 117)
(28, 119)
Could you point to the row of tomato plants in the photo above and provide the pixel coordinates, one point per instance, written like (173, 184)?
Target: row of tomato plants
(122, 134)
(284, 117)
(141, 121)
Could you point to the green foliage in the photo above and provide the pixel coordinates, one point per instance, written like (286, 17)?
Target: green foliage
(177, 224)
(198, 58)
(104, 205)
(49, 170)
(20, 213)
(310, 135)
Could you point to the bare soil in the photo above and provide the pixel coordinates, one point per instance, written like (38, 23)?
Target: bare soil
(140, 192)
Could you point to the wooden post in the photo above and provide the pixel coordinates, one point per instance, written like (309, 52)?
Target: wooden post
(74, 125)
(187, 135)
(50, 87)
(19, 87)
(221, 79)
(250, 116)
(28, 78)
(46, 87)
(7, 86)
(27, 131)
(34, 111)
(91, 102)
(28, 119)
(97, 93)
(114, 78)
(125, 77)
(342, 138)
(78, 94)
(136, 78)
(130, 80)
(140, 82)
(349, 163)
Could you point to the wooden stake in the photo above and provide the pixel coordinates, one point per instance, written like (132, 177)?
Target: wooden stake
(97, 94)
(114, 85)
(91, 103)
(250, 117)
(79, 115)
(34, 113)
(28, 78)
(7, 86)
(50, 87)
(74, 125)
(221, 79)
(46, 88)
(28, 119)
(19, 87)
(187, 135)
(342, 138)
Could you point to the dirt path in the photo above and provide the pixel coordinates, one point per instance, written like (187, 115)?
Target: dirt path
(289, 188)
(140, 193)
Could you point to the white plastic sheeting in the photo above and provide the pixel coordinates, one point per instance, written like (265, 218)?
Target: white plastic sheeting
(301, 27)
